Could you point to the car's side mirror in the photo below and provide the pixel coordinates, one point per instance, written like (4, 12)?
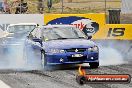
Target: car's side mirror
(89, 37)
(28, 36)
(37, 40)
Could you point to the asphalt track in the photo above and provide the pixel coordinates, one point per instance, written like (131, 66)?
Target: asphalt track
(61, 77)
(57, 76)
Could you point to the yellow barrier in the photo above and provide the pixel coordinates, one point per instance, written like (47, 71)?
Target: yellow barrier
(88, 22)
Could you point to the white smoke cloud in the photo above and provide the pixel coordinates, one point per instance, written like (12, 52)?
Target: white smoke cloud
(14, 56)
(110, 56)
(113, 52)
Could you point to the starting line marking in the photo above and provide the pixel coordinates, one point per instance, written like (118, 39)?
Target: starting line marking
(4, 85)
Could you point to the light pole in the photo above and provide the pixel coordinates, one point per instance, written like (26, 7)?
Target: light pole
(62, 6)
(20, 7)
(105, 11)
(49, 4)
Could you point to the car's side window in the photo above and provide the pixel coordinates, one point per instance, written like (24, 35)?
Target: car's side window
(30, 36)
(32, 33)
(38, 33)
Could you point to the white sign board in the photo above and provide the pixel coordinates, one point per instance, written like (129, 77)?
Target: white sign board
(126, 6)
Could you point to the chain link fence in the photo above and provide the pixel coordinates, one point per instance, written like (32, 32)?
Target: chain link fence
(72, 7)
(83, 6)
(67, 6)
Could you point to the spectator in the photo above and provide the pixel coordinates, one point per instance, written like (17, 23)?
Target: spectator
(1, 6)
(6, 7)
(22, 7)
(40, 6)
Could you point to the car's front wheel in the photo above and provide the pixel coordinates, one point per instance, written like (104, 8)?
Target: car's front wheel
(94, 65)
(43, 59)
(81, 80)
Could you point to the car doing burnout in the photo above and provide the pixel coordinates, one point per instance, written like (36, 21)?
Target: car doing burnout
(63, 44)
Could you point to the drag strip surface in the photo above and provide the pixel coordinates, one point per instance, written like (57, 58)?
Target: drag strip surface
(59, 78)
(3, 85)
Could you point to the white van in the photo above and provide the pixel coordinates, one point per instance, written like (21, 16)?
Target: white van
(30, 24)
(21, 27)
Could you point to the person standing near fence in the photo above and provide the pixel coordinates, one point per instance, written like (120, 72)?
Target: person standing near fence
(40, 6)
(22, 7)
(6, 7)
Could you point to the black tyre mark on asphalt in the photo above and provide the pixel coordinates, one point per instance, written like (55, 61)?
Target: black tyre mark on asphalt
(74, 74)
(54, 78)
(66, 81)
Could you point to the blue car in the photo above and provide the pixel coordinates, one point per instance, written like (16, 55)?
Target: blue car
(63, 44)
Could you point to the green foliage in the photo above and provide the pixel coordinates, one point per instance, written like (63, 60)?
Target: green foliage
(56, 1)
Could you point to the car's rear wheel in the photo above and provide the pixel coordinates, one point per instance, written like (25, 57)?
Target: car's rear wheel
(94, 65)
(43, 59)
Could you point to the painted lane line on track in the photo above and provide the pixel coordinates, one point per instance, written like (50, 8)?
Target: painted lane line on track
(3, 85)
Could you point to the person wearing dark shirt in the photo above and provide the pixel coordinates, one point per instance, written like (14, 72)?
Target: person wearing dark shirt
(40, 6)
(22, 7)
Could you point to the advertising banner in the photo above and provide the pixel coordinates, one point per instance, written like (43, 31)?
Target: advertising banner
(92, 25)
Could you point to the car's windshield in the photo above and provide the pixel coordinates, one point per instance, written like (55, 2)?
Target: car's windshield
(63, 33)
(20, 28)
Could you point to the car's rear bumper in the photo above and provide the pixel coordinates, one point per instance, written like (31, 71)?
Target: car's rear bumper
(54, 59)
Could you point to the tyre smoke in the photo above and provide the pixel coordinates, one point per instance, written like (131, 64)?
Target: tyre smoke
(110, 56)
(114, 52)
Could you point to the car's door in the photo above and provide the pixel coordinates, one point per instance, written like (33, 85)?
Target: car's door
(37, 39)
(33, 47)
